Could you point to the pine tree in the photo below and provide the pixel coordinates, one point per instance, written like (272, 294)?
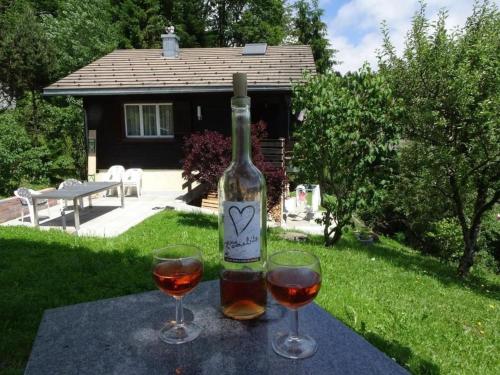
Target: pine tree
(222, 16)
(26, 56)
(261, 21)
(190, 20)
(82, 32)
(310, 29)
(140, 23)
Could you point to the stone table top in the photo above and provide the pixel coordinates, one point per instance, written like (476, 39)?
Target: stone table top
(120, 336)
(77, 191)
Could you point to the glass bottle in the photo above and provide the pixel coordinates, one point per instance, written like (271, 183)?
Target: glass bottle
(242, 219)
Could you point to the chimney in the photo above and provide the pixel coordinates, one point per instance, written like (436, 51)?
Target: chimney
(170, 43)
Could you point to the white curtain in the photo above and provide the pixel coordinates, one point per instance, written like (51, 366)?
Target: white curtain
(133, 120)
(166, 122)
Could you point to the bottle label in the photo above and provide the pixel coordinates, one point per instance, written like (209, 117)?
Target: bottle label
(241, 231)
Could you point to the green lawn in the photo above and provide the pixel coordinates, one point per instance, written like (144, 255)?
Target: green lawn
(411, 307)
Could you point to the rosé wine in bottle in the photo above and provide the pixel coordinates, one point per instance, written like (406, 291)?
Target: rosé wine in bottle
(242, 219)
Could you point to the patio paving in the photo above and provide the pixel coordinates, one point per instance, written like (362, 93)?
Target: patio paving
(106, 218)
(301, 220)
(303, 224)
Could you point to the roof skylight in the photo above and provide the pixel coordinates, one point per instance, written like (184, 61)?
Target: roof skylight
(254, 49)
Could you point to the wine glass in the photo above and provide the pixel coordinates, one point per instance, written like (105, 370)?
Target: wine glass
(177, 269)
(294, 279)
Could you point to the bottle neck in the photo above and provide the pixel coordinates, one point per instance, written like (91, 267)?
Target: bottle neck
(240, 106)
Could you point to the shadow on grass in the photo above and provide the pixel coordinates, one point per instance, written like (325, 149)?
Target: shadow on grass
(45, 272)
(443, 272)
(403, 355)
(198, 220)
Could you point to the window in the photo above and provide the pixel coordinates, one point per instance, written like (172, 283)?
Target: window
(149, 120)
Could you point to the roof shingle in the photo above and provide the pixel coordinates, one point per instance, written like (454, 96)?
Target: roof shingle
(196, 70)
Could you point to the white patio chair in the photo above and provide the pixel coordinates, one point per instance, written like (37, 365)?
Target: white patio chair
(301, 196)
(67, 183)
(115, 174)
(316, 198)
(132, 179)
(25, 196)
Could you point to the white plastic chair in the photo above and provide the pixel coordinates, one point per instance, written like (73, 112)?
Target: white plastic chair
(67, 183)
(301, 196)
(25, 196)
(115, 174)
(316, 198)
(133, 179)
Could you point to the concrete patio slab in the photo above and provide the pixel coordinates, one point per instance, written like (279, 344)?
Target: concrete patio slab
(301, 219)
(106, 218)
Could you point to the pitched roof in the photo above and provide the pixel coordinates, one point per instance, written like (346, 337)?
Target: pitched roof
(195, 70)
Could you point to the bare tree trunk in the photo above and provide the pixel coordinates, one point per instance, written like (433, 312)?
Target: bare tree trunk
(337, 231)
(326, 228)
(470, 250)
(471, 233)
(336, 235)
(222, 23)
(466, 261)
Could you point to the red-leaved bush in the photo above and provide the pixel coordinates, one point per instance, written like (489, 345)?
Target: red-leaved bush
(208, 154)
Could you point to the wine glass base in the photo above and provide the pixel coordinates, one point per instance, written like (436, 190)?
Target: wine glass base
(173, 333)
(294, 347)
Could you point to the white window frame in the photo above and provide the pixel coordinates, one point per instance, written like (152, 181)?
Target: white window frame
(141, 120)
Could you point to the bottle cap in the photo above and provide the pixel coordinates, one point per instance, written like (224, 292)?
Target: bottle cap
(240, 84)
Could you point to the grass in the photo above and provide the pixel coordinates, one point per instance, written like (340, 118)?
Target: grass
(411, 307)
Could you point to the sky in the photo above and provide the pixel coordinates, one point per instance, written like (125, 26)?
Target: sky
(354, 25)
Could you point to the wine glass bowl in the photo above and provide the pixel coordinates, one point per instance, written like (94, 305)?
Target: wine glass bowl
(294, 279)
(177, 269)
(176, 278)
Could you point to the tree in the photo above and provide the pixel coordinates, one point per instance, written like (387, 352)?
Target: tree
(26, 56)
(449, 84)
(222, 15)
(20, 162)
(236, 22)
(81, 33)
(140, 23)
(190, 19)
(344, 142)
(310, 29)
(261, 21)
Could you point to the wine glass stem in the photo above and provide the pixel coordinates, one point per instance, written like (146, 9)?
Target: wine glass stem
(294, 333)
(179, 311)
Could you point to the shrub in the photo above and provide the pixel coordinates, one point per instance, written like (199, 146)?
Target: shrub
(345, 143)
(489, 240)
(208, 154)
(20, 162)
(49, 152)
(445, 239)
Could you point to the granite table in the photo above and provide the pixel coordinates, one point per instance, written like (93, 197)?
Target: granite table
(120, 336)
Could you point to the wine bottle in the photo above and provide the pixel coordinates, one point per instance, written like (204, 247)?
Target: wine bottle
(242, 219)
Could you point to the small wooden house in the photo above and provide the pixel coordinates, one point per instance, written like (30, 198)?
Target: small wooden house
(140, 104)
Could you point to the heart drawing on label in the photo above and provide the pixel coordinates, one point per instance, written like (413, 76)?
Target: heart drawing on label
(241, 219)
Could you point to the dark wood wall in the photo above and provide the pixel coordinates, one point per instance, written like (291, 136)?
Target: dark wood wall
(105, 114)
